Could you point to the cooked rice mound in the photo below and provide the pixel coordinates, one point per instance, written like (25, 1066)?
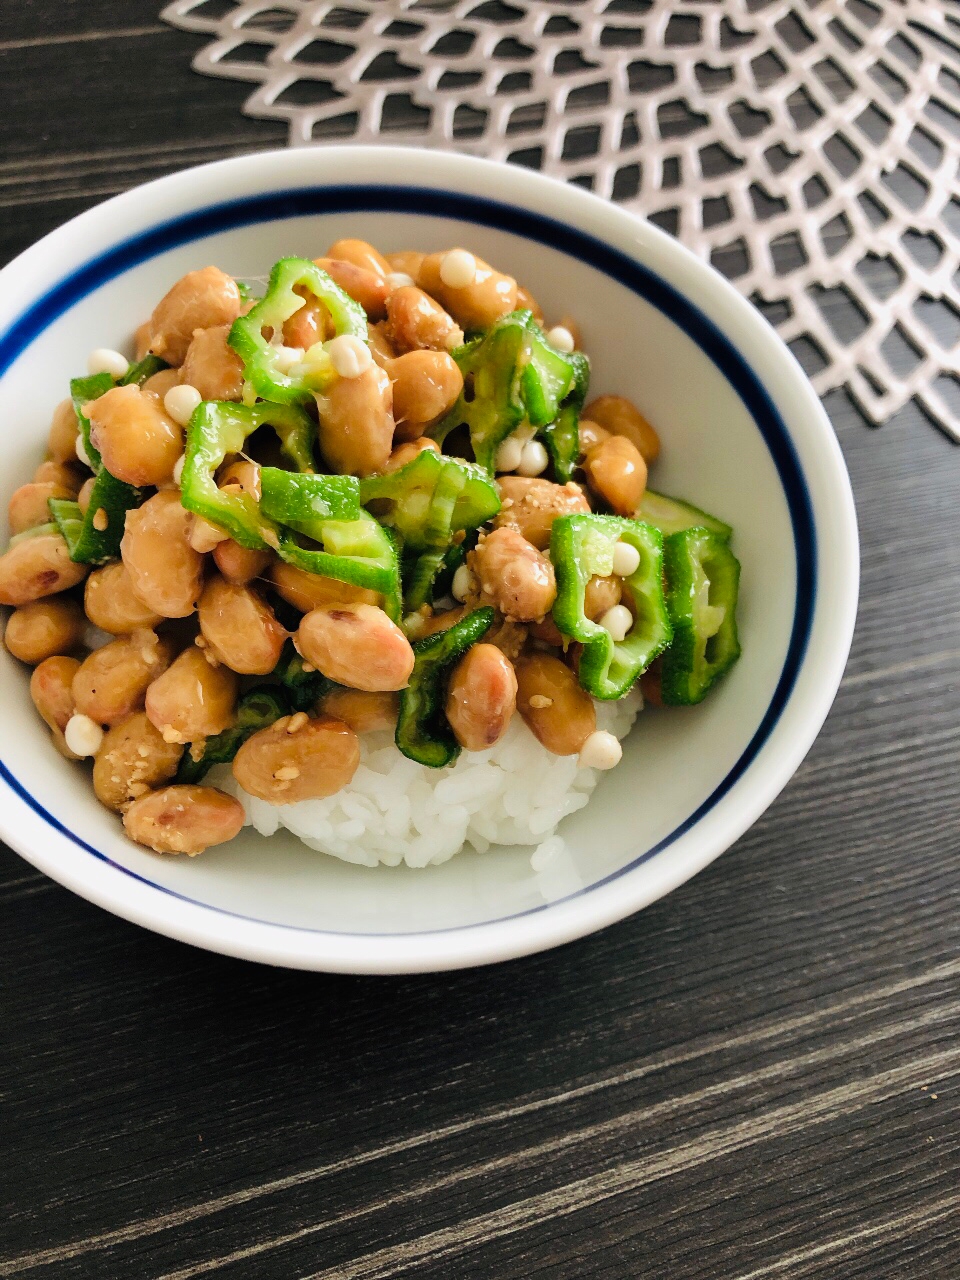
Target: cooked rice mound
(398, 811)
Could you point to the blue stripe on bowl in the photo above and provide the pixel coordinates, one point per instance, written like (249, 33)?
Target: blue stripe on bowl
(299, 202)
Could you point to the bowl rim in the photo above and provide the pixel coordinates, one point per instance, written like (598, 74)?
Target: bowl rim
(127, 230)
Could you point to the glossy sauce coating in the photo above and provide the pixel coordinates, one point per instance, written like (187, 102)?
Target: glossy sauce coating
(192, 699)
(43, 628)
(558, 712)
(199, 300)
(356, 645)
(212, 366)
(137, 439)
(184, 819)
(514, 576)
(315, 760)
(165, 570)
(356, 422)
(531, 505)
(133, 757)
(481, 697)
(112, 604)
(113, 681)
(240, 628)
(39, 566)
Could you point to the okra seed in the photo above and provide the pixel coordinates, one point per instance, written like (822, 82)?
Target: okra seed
(180, 402)
(399, 280)
(626, 559)
(413, 627)
(533, 459)
(458, 269)
(350, 356)
(83, 736)
(204, 536)
(178, 470)
(81, 451)
(617, 621)
(464, 583)
(601, 750)
(104, 360)
(286, 357)
(561, 338)
(509, 454)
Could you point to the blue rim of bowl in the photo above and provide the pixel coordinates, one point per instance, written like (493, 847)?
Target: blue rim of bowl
(641, 280)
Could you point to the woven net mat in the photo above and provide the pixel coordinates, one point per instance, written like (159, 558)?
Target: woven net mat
(809, 148)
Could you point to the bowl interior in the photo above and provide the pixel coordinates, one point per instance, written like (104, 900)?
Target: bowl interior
(713, 454)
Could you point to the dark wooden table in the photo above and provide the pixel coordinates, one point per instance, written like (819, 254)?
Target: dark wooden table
(757, 1077)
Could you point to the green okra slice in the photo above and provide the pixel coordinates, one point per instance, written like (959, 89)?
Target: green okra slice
(84, 391)
(221, 427)
(583, 545)
(514, 377)
(673, 515)
(561, 437)
(95, 538)
(703, 582)
(423, 731)
(303, 688)
(358, 551)
(290, 280)
(428, 501)
(143, 369)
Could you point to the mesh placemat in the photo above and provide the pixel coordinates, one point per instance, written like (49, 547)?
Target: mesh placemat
(810, 150)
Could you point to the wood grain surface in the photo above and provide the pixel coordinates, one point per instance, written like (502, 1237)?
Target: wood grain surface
(756, 1077)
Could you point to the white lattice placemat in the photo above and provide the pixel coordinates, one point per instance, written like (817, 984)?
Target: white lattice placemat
(810, 149)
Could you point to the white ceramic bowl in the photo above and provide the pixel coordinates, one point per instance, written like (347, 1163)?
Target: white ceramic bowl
(743, 434)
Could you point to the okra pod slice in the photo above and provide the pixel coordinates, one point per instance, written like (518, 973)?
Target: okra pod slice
(703, 581)
(423, 731)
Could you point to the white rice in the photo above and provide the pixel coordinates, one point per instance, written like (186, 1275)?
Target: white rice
(397, 811)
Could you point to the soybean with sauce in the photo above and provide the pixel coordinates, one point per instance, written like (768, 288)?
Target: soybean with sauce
(372, 500)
